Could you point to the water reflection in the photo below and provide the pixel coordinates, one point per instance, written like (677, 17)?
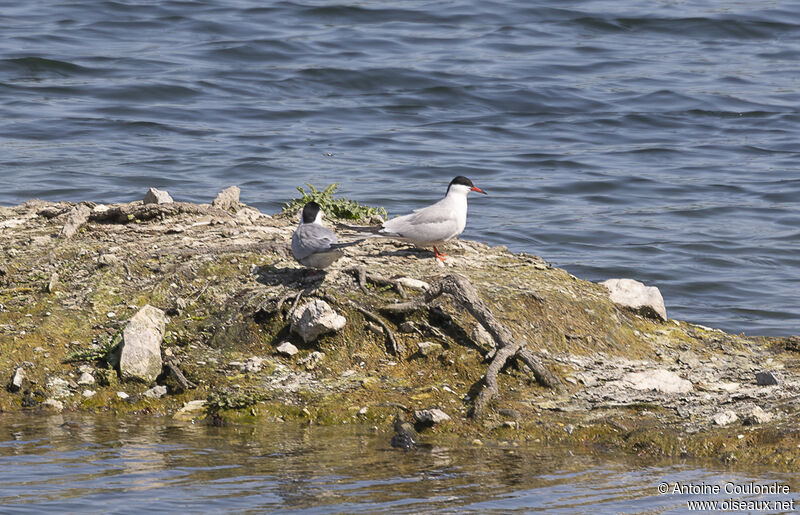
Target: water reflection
(91, 464)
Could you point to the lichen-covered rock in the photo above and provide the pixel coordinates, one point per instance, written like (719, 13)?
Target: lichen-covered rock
(140, 358)
(314, 319)
(155, 196)
(660, 380)
(646, 300)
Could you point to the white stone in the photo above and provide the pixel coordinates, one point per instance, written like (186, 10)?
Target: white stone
(88, 393)
(253, 365)
(155, 392)
(14, 222)
(155, 196)
(53, 404)
(287, 349)
(190, 410)
(86, 378)
(58, 387)
(122, 395)
(312, 360)
(723, 418)
(755, 416)
(431, 416)
(140, 358)
(413, 284)
(646, 300)
(723, 387)
(18, 380)
(428, 348)
(314, 319)
(660, 380)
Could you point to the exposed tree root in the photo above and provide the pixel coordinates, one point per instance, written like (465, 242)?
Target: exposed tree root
(178, 375)
(395, 346)
(296, 301)
(363, 276)
(462, 291)
(283, 299)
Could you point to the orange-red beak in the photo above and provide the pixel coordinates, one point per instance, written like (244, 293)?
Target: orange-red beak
(475, 188)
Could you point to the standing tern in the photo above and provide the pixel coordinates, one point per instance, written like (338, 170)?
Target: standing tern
(437, 223)
(313, 244)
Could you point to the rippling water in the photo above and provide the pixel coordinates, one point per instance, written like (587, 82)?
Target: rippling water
(102, 465)
(653, 140)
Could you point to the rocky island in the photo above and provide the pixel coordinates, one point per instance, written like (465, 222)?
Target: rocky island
(198, 312)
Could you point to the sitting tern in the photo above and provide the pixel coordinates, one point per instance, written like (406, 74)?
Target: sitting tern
(437, 223)
(313, 244)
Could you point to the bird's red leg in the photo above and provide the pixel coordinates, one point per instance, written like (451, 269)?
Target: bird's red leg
(436, 254)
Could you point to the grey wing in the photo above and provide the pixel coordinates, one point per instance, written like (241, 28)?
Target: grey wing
(311, 238)
(432, 223)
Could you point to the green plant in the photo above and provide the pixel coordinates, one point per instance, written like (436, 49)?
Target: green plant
(341, 208)
(217, 401)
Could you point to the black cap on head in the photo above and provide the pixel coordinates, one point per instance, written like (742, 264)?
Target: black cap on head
(310, 211)
(461, 180)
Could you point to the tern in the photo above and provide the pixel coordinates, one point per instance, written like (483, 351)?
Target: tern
(437, 223)
(313, 244)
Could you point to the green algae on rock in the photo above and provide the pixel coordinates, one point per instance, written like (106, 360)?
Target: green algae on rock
(228, 285)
